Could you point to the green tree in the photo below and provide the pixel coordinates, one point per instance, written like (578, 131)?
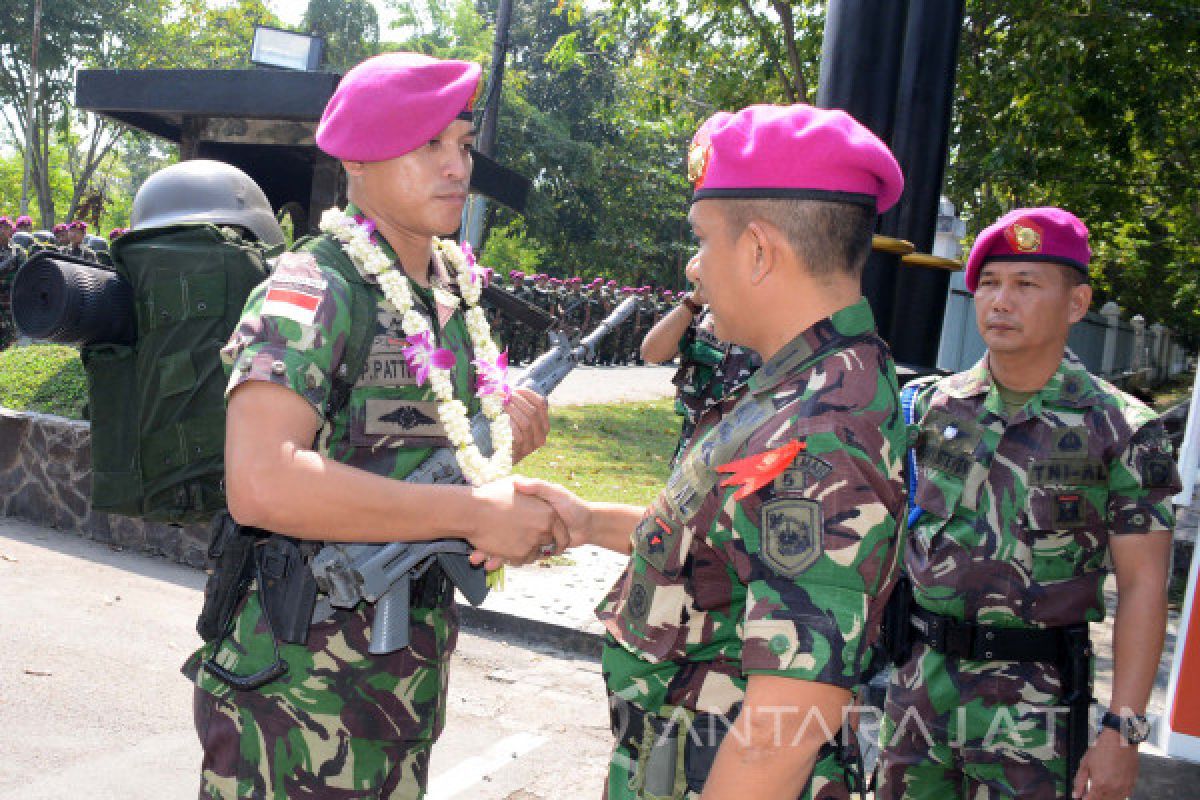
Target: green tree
(350, 29)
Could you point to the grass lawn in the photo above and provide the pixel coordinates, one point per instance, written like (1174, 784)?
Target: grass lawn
(45, 377)
(1173, 391)
(619, 452)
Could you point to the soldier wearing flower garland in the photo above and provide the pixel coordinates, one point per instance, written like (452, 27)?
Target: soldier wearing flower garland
(341, 722)
(758, 577)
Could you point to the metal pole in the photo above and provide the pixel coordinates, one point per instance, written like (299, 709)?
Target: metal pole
(860, 70)
(33, 89)
(920, 134)
(486, 143)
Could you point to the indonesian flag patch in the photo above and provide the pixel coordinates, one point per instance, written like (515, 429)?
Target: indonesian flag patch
(294, 297)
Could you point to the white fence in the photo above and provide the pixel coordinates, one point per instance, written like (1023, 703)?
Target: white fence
(1110, 346)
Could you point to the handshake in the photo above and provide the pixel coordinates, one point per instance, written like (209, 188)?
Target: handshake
(523, 519)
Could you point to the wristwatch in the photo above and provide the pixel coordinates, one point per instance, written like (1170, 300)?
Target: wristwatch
(1135, 728)
(692, 305)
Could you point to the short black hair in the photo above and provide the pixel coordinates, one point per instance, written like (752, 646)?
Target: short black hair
(831, 237)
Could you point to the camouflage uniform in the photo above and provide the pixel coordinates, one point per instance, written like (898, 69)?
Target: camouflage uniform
(81, 251)
(12, 256)
(709, 369)
(1017, 515)
(789, 581)
(340, 723)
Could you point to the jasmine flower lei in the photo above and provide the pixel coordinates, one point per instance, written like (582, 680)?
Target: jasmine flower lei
(357, 243)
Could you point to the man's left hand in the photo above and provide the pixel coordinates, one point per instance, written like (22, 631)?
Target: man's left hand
(1108, 770)
(529, 414)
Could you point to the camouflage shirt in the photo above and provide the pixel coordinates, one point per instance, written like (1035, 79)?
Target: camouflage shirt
(790, 580)
(293, 333)
(708, 370)
(12, 256)
(1017, 512)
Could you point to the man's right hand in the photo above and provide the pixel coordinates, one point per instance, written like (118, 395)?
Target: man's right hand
(513, 527)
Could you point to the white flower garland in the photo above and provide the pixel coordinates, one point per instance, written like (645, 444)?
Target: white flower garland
(356, 241)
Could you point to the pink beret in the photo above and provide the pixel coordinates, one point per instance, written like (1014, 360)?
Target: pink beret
(24, 219)
(77, 225)
(793, 151)
(60, 227)
(611, 283)
(393, 103)
(1031, 234)
(6, 221)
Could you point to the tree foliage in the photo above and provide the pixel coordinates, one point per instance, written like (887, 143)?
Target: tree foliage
(350, 29)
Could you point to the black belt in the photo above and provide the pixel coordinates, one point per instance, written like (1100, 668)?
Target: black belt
(975, 642)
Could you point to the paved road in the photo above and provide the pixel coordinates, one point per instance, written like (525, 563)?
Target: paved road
(92, 704)
(586, 385)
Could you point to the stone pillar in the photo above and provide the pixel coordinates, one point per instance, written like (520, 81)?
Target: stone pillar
(1112, 318)
(1157, 334)
(1139, 344)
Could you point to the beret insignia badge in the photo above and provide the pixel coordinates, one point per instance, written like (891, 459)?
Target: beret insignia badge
(699, 155)
(1024, 236)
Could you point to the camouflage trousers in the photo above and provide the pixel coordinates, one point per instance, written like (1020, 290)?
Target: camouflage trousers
(341, 724)
(653, 760)
(972, 729)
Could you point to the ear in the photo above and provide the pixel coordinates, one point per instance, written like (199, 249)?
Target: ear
(759, 239)
(1079, 303)
(354, 168)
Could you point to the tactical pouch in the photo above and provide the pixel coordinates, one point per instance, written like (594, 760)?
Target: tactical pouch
(230, 570)
(661, 767)
(112, 408)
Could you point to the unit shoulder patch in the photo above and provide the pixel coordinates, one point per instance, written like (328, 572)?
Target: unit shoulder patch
(791, 534)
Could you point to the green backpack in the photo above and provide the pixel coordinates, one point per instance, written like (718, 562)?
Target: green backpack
(158, 408)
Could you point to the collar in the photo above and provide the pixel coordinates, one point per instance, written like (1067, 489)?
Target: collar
(1070, 385)
(439, 273)
(824, 336)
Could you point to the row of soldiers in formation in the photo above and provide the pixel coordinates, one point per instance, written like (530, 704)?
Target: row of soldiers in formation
(578, 308)
(19, 241)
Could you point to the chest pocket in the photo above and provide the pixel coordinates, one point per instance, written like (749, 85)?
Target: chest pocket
(652, 600)
(1065, 530)
(948, 445)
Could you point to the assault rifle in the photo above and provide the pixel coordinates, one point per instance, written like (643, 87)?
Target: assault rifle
(384, 574)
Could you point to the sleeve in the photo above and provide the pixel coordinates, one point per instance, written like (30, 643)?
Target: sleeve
(816, 545)
(1141, 482)
(293, 331)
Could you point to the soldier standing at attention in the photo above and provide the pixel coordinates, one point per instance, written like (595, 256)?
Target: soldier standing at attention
(759, 575)
(12, 256)
(341, 722)
(709, 369)
(76, 230)
(1033, 476)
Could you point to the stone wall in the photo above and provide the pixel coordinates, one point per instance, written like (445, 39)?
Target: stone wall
(46, 478)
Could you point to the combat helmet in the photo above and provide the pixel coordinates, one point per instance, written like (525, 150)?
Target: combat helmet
(201, 190)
